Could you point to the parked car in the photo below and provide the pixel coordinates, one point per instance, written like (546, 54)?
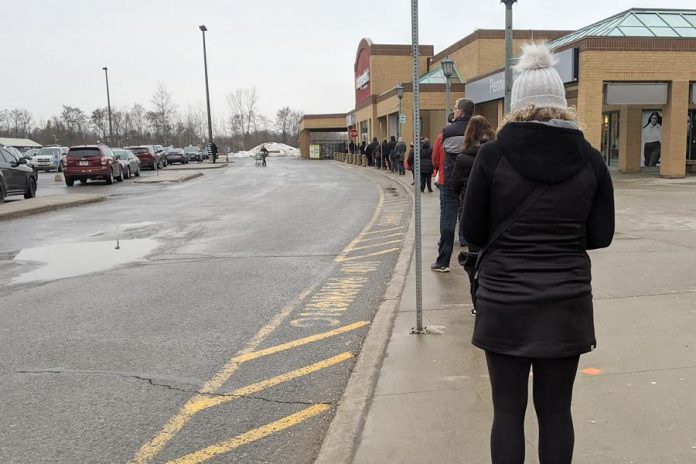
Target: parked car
(129, 162)
(147, 155)
(18, 154)
(176, 155)
(159, 149)
(16, 178)
(193, 153)
(29, 154)
(86, 162)
(50, 158)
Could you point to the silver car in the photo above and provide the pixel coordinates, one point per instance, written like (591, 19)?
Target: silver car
(129, 162)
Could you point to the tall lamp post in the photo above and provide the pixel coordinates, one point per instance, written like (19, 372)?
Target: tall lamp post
(207, 93)
(400, 96)
(508, 52)
(448, 71)
(108, 102)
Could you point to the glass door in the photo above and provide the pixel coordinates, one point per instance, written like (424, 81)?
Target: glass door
(691, 136)
(610, 138)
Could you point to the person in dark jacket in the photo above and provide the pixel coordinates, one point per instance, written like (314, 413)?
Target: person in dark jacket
(452, 145)
(408, 163)
(426, 165)
(391, 154)
(399, 155)
(478, 132)
(385, 154)
(368, 152)
(534, 297)
(376, 153)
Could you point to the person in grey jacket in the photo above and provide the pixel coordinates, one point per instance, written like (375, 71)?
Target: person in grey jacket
(399, 154)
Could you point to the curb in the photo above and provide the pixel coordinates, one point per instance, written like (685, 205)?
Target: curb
(197, 166)
(28, 209)
(341, 440)
(164, 178)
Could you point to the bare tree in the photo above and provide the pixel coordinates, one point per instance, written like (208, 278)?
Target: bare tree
(20, 120)
(100, 121)
(163, 111)
(242, 108)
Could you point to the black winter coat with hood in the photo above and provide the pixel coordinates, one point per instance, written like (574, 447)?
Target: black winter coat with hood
(534, 297)
(426, 157)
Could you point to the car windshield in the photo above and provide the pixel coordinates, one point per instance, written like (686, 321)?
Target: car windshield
(82, 152)
(122, 155)
(48, 151)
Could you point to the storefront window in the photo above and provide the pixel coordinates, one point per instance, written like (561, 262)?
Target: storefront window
(610, 138)
(691, 136)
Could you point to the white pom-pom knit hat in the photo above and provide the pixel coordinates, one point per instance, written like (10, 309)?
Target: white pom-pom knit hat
(537, 81)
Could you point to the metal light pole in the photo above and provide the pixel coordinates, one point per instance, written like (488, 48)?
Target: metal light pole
(419, 329)
(508, 52)
(108, 102)
(207, 91)
(448, 71)
(400, 96)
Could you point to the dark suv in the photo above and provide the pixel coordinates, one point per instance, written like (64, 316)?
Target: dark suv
(91, 162)
(148, 156)
(16, 178)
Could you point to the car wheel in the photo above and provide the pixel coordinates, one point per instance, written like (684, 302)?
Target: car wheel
(110, 178)
(60, 167)
(83, 181)
(69, 181)
(120, 176)
(2, 194)
(128, 174)
(31, 189)
(137, 173)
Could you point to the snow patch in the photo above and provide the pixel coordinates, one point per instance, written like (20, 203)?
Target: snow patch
(274, 149)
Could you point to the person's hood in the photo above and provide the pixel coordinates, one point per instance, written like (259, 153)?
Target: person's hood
(549, 152)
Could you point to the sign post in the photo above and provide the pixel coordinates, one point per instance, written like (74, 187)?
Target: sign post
(419, 329)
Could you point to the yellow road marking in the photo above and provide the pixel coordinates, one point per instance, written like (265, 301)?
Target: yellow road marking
(371, 254)
(198, 401)
(205, 402)
(377, 244)
(176, 423)
(384, 236)
(373, 220)
(252, 435)
(384, 230)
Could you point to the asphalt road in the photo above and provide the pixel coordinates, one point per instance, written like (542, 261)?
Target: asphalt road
(171, 322)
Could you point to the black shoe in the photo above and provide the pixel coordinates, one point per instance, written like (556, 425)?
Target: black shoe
(430, 191)
(437, 268)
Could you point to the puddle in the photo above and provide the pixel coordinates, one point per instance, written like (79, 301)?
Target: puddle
(74, 259)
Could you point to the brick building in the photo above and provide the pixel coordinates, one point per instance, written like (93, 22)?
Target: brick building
(632, 78)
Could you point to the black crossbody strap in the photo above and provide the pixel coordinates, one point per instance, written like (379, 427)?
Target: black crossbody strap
(510, 220)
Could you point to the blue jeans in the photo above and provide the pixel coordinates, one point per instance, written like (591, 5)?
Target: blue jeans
(449, 207)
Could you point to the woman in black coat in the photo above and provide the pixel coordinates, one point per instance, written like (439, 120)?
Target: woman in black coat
(534, 300)
(426, 165)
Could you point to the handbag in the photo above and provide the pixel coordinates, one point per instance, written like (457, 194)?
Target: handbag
(472, 261)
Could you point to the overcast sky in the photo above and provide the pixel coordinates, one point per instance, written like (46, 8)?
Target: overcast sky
(298, 53)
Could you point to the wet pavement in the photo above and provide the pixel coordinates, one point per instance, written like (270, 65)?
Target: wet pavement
(174, 317)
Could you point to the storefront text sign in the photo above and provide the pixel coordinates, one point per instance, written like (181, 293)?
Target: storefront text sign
(493, 87)
(362, 80)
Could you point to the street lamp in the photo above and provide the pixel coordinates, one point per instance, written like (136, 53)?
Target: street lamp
(448, 71)
(108, 102)
(508, 52)
(207, 93)
(400, 96)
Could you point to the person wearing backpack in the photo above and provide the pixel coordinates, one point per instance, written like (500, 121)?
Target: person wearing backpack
(537, 199)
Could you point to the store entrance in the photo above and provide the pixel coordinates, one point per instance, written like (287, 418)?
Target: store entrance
(610, 138)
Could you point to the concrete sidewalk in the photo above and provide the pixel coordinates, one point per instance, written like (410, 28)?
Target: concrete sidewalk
(20, 208)
(635, 396)
(167, 176)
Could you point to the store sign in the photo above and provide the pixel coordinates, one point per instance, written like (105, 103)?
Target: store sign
(493, 87)
(636, 93)
(350, 120)
(362, 80)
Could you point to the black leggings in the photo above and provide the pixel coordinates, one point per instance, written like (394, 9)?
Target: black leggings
(553, 390)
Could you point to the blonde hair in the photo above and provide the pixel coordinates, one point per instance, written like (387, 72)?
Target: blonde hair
(543, 114)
